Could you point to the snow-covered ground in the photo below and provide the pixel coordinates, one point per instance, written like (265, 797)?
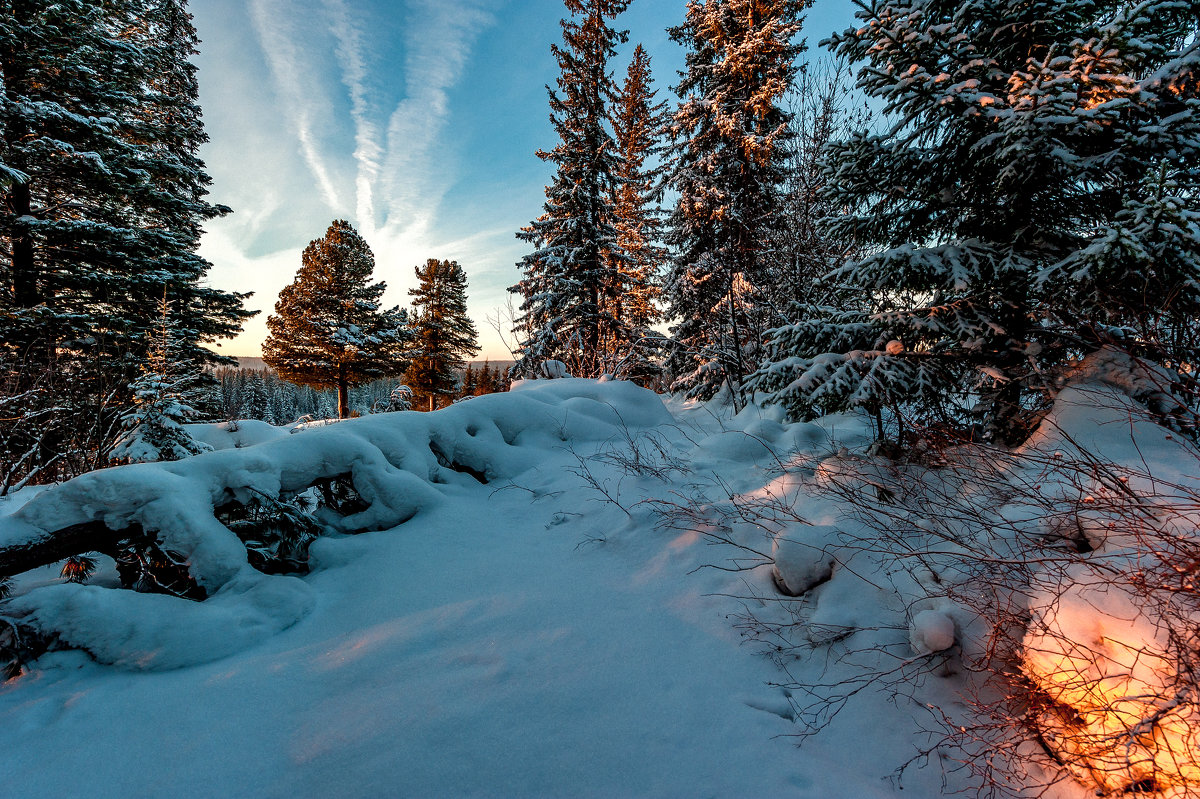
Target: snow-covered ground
(542, 632)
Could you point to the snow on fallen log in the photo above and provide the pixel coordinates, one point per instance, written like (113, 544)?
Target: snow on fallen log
(396, 463)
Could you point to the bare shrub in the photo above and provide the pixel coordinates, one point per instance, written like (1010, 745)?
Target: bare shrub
(1059, 589)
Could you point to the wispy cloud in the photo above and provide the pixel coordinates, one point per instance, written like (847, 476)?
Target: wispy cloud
(276, 25)
(352, 50)
(437, 45)
(339, 75)
(398, 177)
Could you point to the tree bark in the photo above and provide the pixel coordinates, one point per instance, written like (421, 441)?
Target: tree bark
(343, 389)
(24, 276)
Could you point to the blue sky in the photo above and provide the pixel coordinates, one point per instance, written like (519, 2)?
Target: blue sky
(417, 120)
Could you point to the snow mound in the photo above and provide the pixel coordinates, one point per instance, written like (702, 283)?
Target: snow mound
(804, 558)
(155, 631)
(931, 631)
(235, 435)
(399, 463)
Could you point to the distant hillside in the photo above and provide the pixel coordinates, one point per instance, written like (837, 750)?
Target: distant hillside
(251, 363)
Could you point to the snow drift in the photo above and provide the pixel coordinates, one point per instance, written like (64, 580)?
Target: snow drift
(398, 463)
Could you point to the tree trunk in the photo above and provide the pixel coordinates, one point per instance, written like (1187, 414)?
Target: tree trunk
(343, 389)
(735, 381)
(24, 277)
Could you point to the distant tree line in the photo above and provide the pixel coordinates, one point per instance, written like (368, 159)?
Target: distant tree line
(264, 395)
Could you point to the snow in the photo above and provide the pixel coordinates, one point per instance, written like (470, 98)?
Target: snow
(157, 632)
(235, 435)
(931, 631)
(518, 614)
(475, 650)
(805, 559)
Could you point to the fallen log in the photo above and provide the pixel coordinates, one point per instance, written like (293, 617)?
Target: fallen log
(55, 545)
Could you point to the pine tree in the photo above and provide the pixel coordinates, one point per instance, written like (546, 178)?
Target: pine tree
(1034, 201)
(729, 167)
(470, 382)
(328, 330)
(639, 125)
(569, 279)
(163, 396)
(446, 336)
(101, 199)
(486, 384)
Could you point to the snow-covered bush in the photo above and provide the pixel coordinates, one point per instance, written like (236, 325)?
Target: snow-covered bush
(400, 399)
(1062, 576)
(155, 427)
(554, 370)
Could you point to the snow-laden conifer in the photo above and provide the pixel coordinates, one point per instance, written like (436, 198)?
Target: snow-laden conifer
(729, 167)
(400, 398)
(639, 126)
(103, 196)
(162, 403)
(569, 279)
(445, 335)
(1034, 199)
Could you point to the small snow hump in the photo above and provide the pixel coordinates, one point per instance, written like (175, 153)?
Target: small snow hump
(931, 631)
(803, 560)
(554, 370)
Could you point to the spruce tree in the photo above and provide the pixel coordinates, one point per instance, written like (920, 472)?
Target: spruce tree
(328, 330)
(101, 199)
(162, 403)
(570, 278)
(1035, 200)
(486, 383)
(470, 382)
(256, 397)
(173, 206)
(729, 167)
(445, 335)
(639, 125)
